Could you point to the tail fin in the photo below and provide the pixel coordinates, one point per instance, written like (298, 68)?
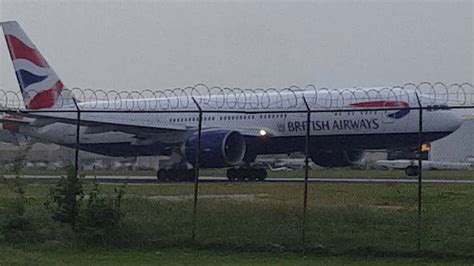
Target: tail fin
(39, 84)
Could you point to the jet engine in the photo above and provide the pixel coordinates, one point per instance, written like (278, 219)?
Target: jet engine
(219, 148)
(339, 158)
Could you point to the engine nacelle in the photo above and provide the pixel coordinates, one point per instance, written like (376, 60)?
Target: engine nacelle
(219, 148)
(338, 158)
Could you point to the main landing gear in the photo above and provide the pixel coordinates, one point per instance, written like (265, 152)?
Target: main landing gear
(178, 169)
(412, 170)
(246, 174)
(175, 175)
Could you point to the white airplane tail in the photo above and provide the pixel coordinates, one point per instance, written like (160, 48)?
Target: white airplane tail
(39, 84)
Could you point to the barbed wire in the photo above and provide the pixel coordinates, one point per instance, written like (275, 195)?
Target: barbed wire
(457, 94)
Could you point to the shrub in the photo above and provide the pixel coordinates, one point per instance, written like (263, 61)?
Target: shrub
(65, 199)
(102, 211)
(15, 226)
(17, 206)
(19, 228)
(91, 214)
(100, 215)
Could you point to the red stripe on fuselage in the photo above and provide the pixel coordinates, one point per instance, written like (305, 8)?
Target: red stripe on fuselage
(19, 50)
(46, 99)
(381, 104)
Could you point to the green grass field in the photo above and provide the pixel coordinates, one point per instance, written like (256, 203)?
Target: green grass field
(34, 255)
(250, 223)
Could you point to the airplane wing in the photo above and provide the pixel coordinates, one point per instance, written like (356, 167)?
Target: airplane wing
(100, 123)
(9, 130)
(16, 122)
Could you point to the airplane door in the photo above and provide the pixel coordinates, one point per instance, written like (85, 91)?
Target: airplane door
(281, 122)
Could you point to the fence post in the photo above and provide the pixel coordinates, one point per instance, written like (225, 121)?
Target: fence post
(78, 139)
(196, 171)
(306, 173)
(420, 168)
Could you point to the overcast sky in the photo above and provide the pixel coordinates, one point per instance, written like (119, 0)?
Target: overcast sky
(153, 44)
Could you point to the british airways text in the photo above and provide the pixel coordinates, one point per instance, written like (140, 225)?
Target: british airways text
(324, 125)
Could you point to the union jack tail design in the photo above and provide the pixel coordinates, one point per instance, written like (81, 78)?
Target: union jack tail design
(39, 84)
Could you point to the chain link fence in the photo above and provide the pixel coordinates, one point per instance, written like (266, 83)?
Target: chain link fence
(327, 191)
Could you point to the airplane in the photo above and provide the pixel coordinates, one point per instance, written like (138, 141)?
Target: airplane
(231, 138)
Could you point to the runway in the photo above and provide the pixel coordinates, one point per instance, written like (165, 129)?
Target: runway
(216, 179)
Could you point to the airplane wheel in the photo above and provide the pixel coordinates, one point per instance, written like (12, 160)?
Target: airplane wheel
(185, 175)
(242, 174)
(252, 174)
(173, 175)
(261, 174)
(180, 175)
(412, 170)
(232, 174)
(189, 175)
(162, 175)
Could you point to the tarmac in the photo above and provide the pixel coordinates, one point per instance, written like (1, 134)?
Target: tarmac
(216, 179)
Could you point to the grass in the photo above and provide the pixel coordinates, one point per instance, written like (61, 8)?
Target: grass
(360, 220)
(14, 255)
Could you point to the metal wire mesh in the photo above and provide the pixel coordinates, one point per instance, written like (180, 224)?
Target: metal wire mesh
(358, 209)
(224, 98)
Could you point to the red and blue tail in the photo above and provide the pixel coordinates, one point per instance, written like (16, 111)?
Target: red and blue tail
(39, 84)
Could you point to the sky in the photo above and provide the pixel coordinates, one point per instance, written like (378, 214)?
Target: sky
(133, 45)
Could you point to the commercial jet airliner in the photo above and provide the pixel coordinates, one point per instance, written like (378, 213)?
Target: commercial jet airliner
(229, 140)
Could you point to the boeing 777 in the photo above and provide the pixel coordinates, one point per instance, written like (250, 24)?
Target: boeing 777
(228, 140)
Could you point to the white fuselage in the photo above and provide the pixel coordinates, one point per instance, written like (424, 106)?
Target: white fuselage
(336, 117)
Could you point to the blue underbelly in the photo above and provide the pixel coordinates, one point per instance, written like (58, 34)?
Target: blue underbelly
(276, 145)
